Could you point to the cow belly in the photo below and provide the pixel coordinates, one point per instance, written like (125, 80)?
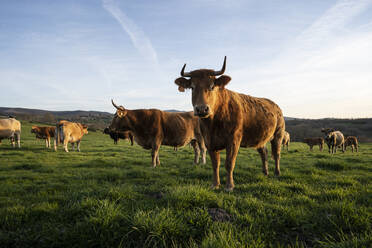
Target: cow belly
(177, 141)
(6, 133)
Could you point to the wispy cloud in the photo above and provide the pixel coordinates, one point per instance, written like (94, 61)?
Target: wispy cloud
(322, 69)
(137, 36)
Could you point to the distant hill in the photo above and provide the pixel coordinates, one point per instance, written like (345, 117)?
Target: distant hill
(95, 119)
(298, 128)
(303, 128)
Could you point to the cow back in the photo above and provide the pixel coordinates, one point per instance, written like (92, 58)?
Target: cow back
(8, 127)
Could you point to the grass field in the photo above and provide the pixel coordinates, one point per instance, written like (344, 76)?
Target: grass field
(109, 196)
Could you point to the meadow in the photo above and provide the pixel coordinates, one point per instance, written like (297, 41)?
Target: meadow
(109, 196)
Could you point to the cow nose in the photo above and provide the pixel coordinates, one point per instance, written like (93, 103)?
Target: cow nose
(202, 110)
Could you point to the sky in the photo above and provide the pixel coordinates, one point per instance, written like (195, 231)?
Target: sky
(313, 58)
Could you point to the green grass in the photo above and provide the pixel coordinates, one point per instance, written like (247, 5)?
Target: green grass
(109, 196)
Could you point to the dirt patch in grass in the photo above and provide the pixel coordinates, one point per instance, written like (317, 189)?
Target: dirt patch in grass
(218, 214)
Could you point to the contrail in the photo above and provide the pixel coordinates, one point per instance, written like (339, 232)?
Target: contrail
(138, 37)
(332, 20)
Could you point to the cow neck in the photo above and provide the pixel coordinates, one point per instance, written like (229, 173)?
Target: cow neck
(133, 119)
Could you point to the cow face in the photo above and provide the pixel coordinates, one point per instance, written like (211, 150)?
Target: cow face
(205, 88)
(85, 129)
(33, 129)
(120, 122)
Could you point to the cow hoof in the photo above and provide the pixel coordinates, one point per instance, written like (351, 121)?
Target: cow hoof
(215, 187)
(277, 173)
(229, 189)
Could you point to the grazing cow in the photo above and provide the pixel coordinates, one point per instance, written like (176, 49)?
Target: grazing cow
(44, 133)
(286, 139)
(333, 139)
(69, 132)
(119, 135)
(152, 128)
(229, 120)
(353, 142)
(10, 128)
(314, 142)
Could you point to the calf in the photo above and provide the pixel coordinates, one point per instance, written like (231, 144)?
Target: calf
(119, 135)
(353, 142)
(152, 128)
(10, 128)
(230, 120)
(286, 139)
(44, 133)
(315, 141)
(334, 139)
(69, 132)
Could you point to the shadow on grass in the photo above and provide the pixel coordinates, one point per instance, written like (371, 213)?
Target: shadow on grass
(330, 165)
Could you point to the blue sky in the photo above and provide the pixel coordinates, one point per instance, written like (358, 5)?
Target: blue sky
(313, 58)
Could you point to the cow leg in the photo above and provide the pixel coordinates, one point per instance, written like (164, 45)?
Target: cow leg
(131, 139)
(12, 141)
(195, 145)
(215, 158)
(356, 148)
(157, 159)
(65, 143)
(311, 148)
(264, 157)
(231, 154)
(49, 142)
(46, 143)
(203, 149)
(275, 150)
(18, 137)
(78, 145)
(73, 146)
(55, 142)
(155, 154)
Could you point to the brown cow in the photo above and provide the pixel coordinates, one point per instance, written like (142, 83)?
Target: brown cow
(10, 129)
(334, 139)
(229, 120)
(314, 142)
(286, 140)
(119, 135)
(69, 132)
(353, 142)
(152, 128)
(44, 133)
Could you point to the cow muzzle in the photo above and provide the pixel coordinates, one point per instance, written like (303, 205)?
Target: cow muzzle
(202, 111)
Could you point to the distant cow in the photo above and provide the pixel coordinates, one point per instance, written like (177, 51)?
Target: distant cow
(69, 132)
(118, 135)
(317, 141)
(44, 133)
(334, 139)
(353, 142)
(230, 120)
(10, 128)
(286, 140)
(152, 128)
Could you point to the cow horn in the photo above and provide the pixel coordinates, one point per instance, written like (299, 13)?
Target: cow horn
(116, 106)
(183, 73)
(217, 73)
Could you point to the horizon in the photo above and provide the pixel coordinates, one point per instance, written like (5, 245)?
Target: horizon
(77, 110)
(311, 58)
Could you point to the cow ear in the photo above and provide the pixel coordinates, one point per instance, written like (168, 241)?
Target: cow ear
(121, 112)
(183, 84)
(222, 81)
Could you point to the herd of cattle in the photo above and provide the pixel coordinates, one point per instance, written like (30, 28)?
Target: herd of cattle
(221, 119)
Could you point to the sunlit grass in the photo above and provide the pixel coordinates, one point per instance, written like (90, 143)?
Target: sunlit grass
(109, 196)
